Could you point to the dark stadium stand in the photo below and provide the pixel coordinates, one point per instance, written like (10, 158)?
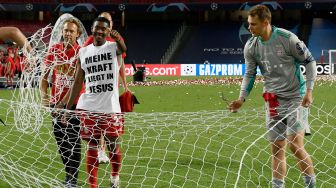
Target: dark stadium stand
(27, 27)
(322, 36)
(149, 40)
(217, 43)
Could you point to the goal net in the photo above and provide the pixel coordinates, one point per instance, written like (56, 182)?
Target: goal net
(184, 149)
(171, 149)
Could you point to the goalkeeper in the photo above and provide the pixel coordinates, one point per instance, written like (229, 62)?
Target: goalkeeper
(278, 52)
(60, 62)
(99, 65)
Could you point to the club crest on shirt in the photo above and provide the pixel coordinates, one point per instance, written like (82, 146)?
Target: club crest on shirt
(279, 50)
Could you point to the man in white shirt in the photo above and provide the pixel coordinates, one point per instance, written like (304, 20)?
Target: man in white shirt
(99, 104)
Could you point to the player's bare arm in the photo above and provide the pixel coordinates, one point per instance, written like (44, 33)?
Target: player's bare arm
(77, 85)
(308, 98)
(120, 42)
(44, 87)
(14, 34)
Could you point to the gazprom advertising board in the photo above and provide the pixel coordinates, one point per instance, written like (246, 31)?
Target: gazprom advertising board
(190, 69)
(206, 69)
(212, 69)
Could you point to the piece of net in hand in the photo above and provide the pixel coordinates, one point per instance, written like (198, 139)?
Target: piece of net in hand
(29, 115)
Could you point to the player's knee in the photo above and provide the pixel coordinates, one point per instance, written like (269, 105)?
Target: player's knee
(296, 148)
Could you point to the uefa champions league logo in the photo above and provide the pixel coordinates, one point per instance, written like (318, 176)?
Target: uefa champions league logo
(214, 6)
(308, 5)
(174, 6)
(244, 34)
(29, 6)
(122, 7)
(79, 6)
(188, 69)
(273, 5)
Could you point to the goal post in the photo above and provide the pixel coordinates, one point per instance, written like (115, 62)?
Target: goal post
(332, 60)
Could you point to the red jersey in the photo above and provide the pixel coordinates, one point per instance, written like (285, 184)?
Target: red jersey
(19, 62)
(11, 51)
(63, 65)
(10, 65)
(2, 70)
(89, 41)
(2, 61)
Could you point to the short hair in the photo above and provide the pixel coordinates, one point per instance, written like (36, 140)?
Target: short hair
(76, 22)
(262, 11)
(102, 19)
(107, 16)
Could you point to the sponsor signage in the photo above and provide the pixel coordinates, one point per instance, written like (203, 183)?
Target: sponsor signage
(220, 69)
(321, 69)
(208, 69)
(156, 69)
(212, 69)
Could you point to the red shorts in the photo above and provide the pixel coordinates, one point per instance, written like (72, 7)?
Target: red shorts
(95, 125)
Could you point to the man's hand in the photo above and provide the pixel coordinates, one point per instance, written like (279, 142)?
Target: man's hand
(307, 99)
(115, 35)
(60, 104)
(45, 102)
(235, 105)
(57, 111)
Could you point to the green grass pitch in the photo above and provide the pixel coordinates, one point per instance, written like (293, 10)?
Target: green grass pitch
(182, 155)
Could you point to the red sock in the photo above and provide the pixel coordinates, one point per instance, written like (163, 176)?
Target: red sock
(115, 160)
(92, 165)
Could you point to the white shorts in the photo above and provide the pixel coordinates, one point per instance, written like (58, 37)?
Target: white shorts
(292, 118)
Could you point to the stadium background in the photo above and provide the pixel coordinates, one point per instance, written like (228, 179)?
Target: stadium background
(184, 32)
(211, 43)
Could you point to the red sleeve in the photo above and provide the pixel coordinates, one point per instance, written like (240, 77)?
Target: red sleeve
(57, 48)
(110, 39)
(88, 41)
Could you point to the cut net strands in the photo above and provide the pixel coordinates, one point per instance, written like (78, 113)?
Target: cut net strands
(184, 149)
(29, 113)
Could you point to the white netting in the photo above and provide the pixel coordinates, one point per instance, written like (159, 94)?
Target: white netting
(184, 149)
(196, 149)
(28, 114)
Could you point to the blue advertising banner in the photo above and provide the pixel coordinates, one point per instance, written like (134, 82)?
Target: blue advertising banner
(237, 69)
(220, 69)
(212, 69)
